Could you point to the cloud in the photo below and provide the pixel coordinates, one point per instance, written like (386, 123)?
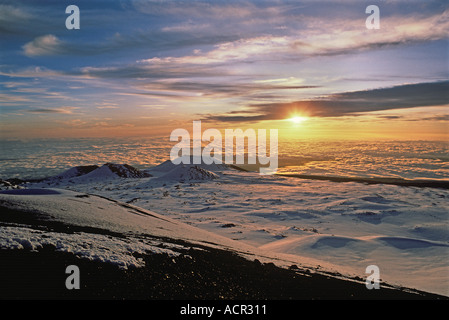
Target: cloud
(9, 14)
(30, 72)
(51, 45)
(8, 98)
(444, 117)
(168, 38)
(242, 31)
(231, 88)
(43, 46)
(63, 110)
(318, 36)
(147, 71)
(348, 103)
(214, 10)
(20, 20)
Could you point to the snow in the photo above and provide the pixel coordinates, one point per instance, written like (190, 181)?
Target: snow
(85, 174)
(121, 229)
(31, 191)
(7, 185)
(183, 173)
(76, 172)
(120, 252)
(206, 163)
(340, 227)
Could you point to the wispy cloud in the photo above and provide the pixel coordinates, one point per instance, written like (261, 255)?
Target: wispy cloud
(317, 37)
(63, 110)
(9, 98)
(29, 72)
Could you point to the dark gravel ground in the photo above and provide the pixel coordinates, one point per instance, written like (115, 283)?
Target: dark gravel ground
(197, 274)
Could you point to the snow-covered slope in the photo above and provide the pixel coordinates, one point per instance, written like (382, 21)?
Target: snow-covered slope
(105, 230)
(125, 171)
(184, 173)
(74, 172)
(191, 161)
(111, 170)
(86, 174)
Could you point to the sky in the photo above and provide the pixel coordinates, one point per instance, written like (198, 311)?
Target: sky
(147, 67)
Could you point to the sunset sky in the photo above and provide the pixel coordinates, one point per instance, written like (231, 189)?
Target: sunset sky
(147, 67)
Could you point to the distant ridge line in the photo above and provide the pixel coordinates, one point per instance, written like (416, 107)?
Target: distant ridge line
(393, 181)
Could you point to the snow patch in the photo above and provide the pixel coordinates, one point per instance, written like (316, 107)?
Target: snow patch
(95, 247)
(8, 185)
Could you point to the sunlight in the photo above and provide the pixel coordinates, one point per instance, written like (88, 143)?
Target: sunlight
(297, 119)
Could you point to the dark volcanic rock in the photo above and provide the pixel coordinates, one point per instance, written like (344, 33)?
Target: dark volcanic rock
(126, 171)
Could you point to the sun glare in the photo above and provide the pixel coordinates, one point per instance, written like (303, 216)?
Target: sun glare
(297, 119)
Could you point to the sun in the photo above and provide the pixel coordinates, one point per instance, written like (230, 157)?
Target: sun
(297, 119)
